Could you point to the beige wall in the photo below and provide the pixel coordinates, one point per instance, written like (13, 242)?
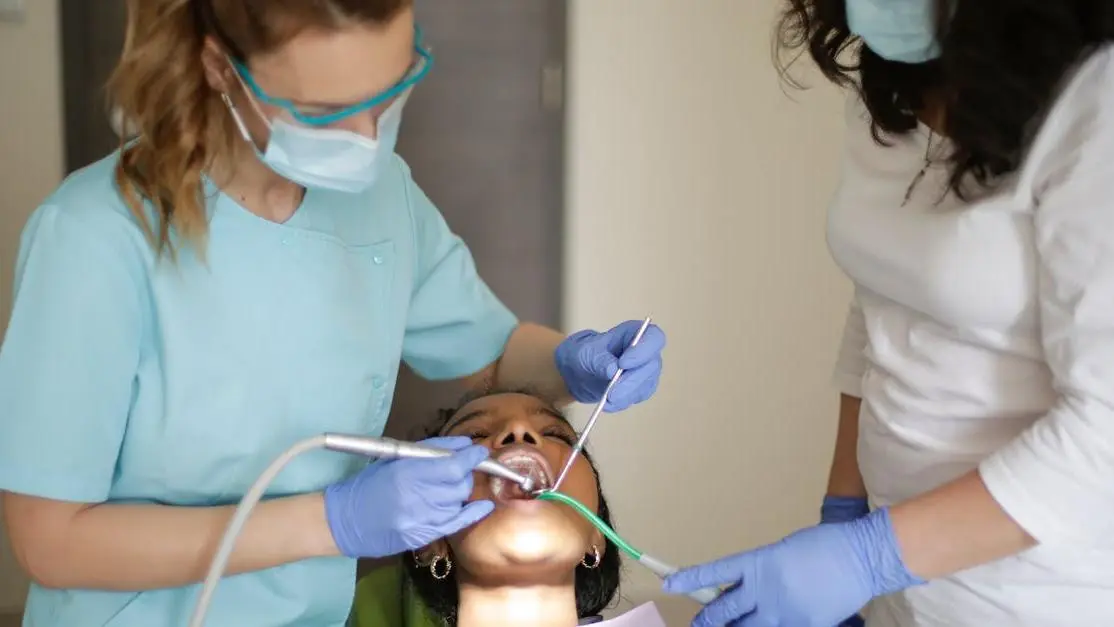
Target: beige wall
(31, 152)
(696, 194)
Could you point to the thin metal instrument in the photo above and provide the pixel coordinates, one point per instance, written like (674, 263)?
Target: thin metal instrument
(583, 439)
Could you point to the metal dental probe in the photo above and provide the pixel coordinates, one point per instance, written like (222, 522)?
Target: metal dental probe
(583, 439)
(388, 448)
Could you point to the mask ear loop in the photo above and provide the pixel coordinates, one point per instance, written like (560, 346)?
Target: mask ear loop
(251, 99)
(236, 117)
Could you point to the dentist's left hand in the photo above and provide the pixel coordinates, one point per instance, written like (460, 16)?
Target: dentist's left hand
(404, 504)
(587, 360)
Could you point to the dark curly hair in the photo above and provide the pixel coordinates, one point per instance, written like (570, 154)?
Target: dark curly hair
(595, 587)
(1001, 66)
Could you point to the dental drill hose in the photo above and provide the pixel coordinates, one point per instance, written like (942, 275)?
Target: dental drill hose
(703, 596)
(381, 448)
(239, 519)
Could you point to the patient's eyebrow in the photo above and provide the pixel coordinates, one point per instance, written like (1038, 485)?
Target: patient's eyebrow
(452, 424)
(546, 410)
(543, 410)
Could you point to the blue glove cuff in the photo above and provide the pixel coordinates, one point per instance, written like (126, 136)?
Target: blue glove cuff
(567, 359)
(877, 547)
(837, 509)
(345, 535)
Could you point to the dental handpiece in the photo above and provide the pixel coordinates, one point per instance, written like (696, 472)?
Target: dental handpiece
(389, 448)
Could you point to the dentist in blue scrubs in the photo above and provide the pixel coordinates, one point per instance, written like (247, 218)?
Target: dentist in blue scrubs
(247, 272)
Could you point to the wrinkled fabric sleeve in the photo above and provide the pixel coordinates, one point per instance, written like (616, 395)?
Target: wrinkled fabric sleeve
(1056, 480)
(456, 325)
(70, 356)
(850, 364)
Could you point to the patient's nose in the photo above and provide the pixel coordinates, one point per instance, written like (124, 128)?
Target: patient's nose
(518, 432)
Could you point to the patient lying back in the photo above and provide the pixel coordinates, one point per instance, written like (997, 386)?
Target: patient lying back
(530, 563)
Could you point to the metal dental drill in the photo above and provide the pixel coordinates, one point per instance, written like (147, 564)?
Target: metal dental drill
(388, 448)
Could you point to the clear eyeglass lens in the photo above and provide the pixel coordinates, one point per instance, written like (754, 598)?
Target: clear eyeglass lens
(312, 113)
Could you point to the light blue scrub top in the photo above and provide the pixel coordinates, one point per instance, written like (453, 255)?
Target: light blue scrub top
(126, 379)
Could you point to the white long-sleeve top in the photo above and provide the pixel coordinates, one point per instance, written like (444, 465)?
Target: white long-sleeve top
(982, 336)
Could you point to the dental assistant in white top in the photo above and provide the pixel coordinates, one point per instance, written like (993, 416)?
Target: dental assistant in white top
(246, 273)
(973, 481)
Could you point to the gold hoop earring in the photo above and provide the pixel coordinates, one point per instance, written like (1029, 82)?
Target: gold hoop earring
(596, 559)
(433, 570)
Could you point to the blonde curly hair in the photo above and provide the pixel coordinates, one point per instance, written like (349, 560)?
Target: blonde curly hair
(180, 123)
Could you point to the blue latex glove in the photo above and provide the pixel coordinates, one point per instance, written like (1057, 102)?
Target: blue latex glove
(843, 508)
(837, 509)
(404, 504)
(816, 577)
(587, 360)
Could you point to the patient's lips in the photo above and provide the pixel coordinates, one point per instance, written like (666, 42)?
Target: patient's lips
(525, 460)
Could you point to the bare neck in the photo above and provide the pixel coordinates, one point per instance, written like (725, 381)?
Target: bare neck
(257, 188)
(538, 606)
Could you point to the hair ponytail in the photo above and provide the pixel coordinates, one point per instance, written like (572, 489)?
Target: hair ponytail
(159, 87)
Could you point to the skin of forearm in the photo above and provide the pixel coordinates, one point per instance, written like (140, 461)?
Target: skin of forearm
(844, 479)
(955, 527)
(145, 547)
(527, 363)
(952, 528)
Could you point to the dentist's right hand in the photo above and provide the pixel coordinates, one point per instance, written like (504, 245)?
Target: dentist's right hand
(404, 504)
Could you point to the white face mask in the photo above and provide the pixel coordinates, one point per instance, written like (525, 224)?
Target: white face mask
(323, 158)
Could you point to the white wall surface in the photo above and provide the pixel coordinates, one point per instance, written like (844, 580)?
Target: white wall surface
(31, 155)
(696, 193)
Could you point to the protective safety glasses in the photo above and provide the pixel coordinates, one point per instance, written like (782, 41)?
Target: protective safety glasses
(325, 116)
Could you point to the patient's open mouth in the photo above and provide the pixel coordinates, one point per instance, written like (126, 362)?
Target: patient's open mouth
(525, 460)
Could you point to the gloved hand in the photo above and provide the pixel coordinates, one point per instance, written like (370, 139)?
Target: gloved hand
(404, 504)
(837, 509)
(843, 508)
(816, 577)
(587, 360)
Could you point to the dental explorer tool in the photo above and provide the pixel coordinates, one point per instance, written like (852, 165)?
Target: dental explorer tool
(703, 596)
(388, 448)
(583, 439)
(382, 448)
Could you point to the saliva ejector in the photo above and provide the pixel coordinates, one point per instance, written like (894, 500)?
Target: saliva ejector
(703, 596)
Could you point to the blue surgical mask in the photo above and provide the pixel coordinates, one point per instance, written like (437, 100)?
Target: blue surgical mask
(326, 158)
(897, 30)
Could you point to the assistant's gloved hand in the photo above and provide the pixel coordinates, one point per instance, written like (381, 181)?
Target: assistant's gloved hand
(404, 504)
(815, 577)
(587, 360)
(843, 508)
(837, 509)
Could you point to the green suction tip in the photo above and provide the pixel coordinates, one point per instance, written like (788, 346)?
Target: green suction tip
(581, 509)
